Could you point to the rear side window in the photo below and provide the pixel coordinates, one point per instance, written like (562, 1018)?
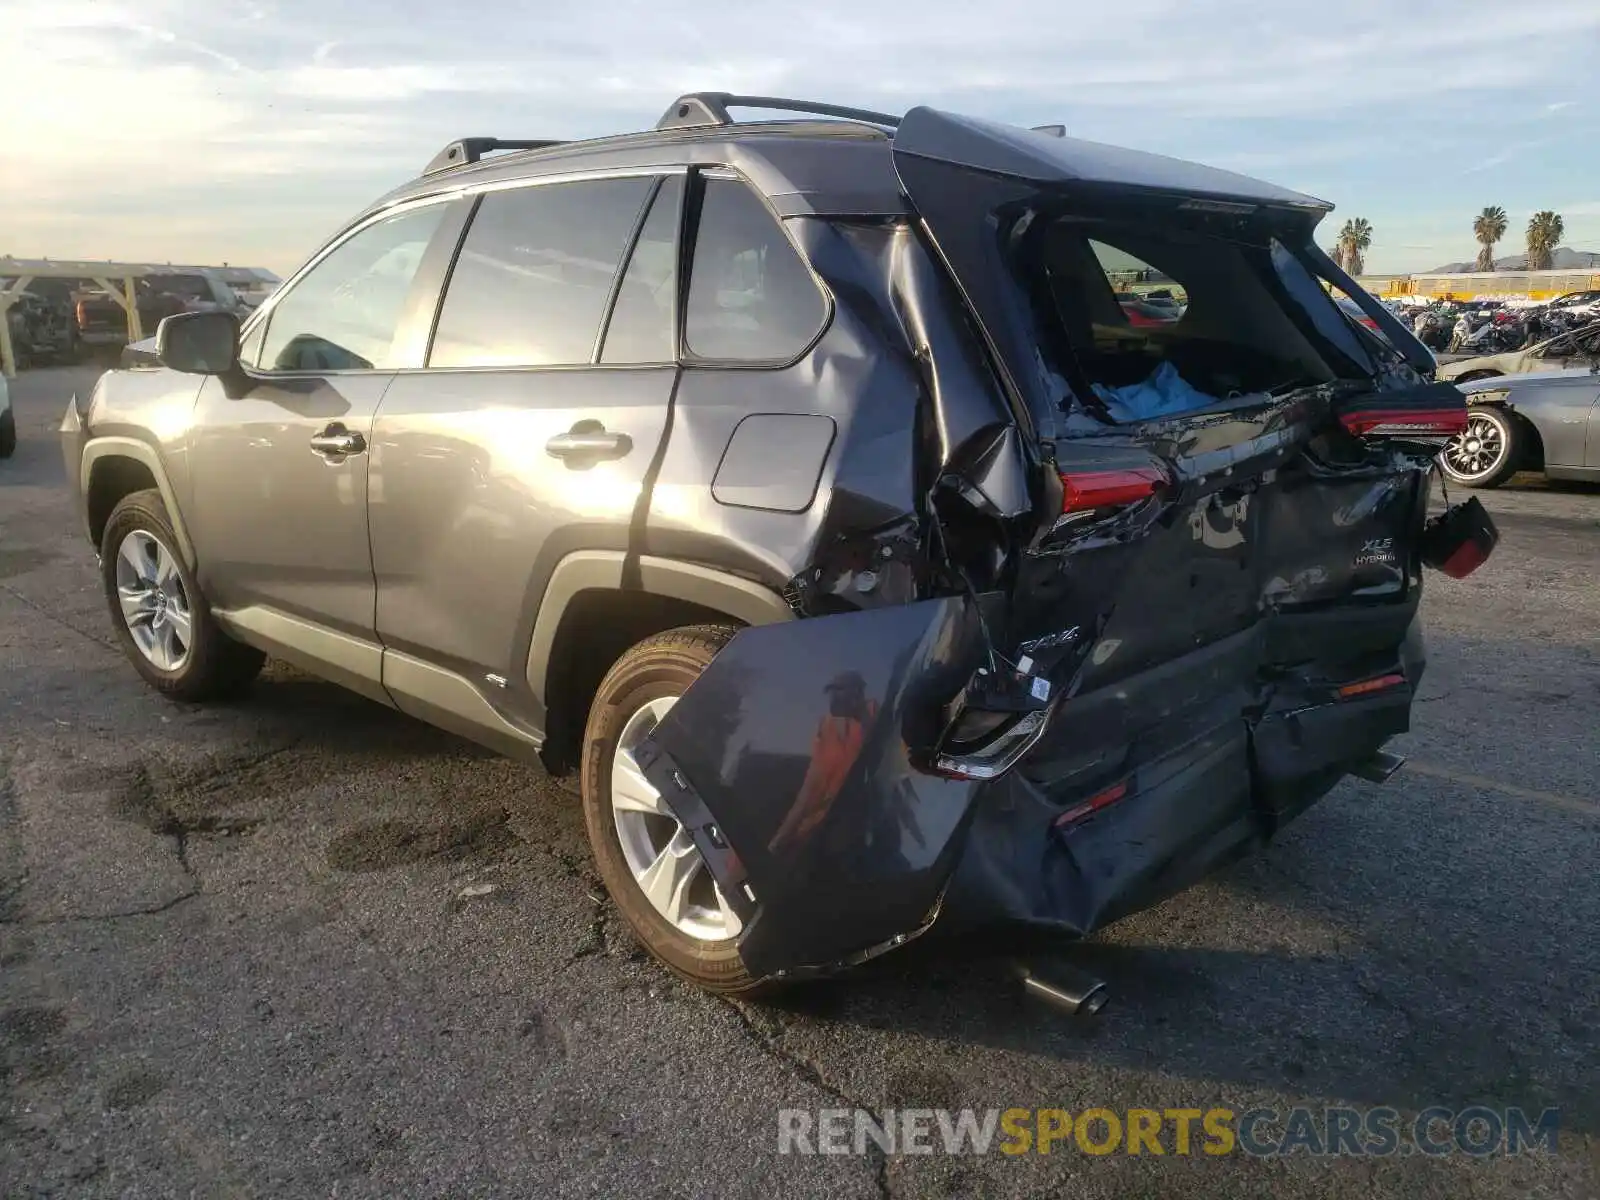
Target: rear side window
(751, 298)
(343, 314)
(534, 274)
(643, 328)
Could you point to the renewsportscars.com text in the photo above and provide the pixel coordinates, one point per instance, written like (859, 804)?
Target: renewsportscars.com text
(1261, 1132)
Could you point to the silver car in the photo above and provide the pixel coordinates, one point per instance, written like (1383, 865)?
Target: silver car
(8, 421)
(1575, 348)
(1547, 422)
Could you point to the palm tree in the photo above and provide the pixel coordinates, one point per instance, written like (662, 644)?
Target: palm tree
(1488, 227)
(1354, 238)
(1544, 235)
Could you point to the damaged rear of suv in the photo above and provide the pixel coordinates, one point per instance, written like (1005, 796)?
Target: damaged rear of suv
(884, 561)
(1146, 593)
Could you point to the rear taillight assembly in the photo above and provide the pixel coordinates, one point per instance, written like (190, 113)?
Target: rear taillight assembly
(1401, 422)
(1430, 412)
(1084, 491)
(1459, 540)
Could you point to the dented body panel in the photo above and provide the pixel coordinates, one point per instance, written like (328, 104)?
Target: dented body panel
(1202, 656)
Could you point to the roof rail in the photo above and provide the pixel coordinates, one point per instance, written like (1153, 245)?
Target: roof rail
(470, 150)
(1059, 131)
(711, 108)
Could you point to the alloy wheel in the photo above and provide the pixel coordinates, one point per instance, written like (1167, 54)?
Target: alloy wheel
(660, 854)
(155, 604)
(1477, 451)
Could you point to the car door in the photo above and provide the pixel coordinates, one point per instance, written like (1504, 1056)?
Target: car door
(1591, 453)
(278, 512)
(529, 434)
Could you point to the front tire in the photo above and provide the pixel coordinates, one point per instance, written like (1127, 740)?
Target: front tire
(162, 619)
(1488, 453)
(646, 860)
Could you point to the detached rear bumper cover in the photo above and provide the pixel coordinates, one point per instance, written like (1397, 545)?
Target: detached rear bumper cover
(791, 761)
(800, 762)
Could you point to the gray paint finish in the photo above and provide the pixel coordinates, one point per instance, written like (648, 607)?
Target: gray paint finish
(773, 461)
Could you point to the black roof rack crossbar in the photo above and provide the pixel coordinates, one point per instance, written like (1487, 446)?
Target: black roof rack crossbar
(711, 108)
(470, 150)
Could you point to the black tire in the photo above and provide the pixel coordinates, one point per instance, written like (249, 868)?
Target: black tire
(662, 665)
(1503, 466)
(214, 666)
(8, 433)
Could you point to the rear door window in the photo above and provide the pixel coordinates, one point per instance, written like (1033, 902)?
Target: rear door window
(751, 297)
(535, 273)
(643, 326)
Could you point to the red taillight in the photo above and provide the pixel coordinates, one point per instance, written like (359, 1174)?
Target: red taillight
(1370, 324)
(1085, 490)
(1401, 422)
(78, 308)
(1093, 804)
(1367, 686)
(1469, 556)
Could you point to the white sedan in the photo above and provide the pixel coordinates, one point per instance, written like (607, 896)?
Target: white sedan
(8, 421)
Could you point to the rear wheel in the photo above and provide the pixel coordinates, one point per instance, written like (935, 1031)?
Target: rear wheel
(8, 433)
(647, 860)
(163, 622)
(1487, 452)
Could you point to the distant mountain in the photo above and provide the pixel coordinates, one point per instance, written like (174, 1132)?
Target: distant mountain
(1561, 260)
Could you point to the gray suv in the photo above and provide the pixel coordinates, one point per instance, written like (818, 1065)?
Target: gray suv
(803, 486)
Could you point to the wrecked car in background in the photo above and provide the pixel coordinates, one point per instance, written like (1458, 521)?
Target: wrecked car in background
(870, 563)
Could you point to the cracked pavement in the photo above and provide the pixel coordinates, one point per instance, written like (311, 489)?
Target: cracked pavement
(304, 946)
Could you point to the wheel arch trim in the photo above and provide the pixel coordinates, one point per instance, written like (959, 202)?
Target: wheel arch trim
(147, 456)
(602, 570)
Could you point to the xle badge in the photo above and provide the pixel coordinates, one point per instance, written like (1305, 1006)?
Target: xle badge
(1376, 552)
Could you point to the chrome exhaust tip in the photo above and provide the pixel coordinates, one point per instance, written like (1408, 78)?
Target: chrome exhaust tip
(1076, 993)
(1379, 767)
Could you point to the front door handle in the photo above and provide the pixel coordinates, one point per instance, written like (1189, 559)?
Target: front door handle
(589, 441)
(337, 441)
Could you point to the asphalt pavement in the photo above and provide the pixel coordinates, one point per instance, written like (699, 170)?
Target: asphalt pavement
(304, 946)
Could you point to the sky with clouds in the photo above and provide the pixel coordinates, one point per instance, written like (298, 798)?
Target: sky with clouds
(246, 130)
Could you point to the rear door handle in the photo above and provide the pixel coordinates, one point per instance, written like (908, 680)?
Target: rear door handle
(589, 440)
(337, 441)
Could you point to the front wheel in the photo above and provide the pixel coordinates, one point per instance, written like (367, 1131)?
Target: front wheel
(163, 622)
(646, 858)
(1487, 452)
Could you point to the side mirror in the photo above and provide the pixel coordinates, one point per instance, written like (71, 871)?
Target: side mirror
(199, 343)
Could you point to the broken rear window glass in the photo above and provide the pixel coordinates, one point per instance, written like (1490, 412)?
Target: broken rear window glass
(1221, 328)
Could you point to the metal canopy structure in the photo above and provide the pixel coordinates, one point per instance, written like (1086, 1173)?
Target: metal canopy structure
(115, 278)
